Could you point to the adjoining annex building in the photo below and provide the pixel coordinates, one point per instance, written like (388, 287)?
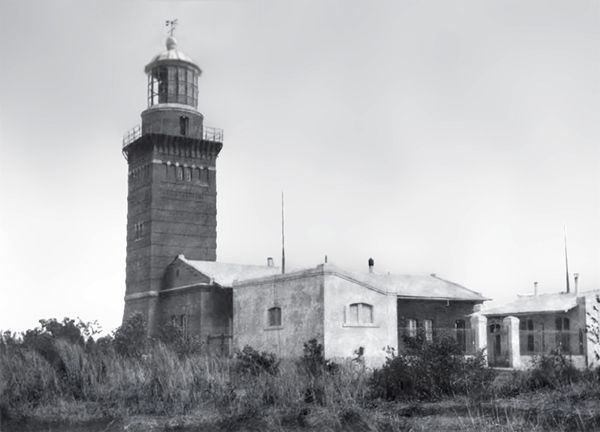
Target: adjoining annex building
(538, 324)
(172, 274)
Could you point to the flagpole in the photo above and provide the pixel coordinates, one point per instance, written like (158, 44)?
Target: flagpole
(282, 238)
(566, 261)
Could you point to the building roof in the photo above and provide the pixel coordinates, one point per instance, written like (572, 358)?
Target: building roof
(224, 274)
(404, 286)
(413, 285)
(528, 304)
(172, 54)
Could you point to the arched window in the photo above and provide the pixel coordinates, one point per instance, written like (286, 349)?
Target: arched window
(274, 317)
(359, 313)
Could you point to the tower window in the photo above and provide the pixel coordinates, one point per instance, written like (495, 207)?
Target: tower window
(138, 230)
(183, 125)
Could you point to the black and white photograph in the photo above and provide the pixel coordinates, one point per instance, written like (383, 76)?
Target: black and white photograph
(300, 215)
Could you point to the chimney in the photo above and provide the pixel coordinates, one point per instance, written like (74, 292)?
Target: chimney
(371, 265)
(576, 277)
(269, 261)
(535, 289)
(325, 259)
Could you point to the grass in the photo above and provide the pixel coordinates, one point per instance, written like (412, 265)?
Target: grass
(74, 383)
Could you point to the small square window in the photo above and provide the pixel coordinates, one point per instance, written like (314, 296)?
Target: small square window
(274, 317)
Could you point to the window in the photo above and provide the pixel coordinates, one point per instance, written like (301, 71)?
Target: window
(183, 324)
(411, 327)
(563, 334)
(526, 335)
(274, 317)
(184, 123)
(461, 334)
(428, 329)
(359, 313)
(179, 173)
(188, 174)
(138, 230)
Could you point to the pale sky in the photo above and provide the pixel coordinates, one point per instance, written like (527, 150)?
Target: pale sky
(455, 137)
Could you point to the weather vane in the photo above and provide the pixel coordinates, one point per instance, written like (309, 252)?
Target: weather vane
(171, 24)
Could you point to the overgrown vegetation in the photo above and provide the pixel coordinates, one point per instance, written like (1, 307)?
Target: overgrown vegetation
(58, 371)
(431, 370)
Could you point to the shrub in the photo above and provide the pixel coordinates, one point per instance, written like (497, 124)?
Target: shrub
(252, 362)
(429, 370)
(553, 370)
(173, 336)
(313, 360)
(317, 369)
(131, 338)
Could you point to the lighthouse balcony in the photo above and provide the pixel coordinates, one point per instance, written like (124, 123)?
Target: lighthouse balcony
(210, 134)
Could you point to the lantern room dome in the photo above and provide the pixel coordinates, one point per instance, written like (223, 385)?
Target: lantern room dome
(171, 55)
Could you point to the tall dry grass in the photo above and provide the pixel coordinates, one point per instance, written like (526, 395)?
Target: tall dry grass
(162, 383)
(80, 381)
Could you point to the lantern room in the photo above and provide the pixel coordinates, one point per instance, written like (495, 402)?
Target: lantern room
(173, 95)
(172, 77)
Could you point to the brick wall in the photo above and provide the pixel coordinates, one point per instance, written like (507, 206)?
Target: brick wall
(171, 210)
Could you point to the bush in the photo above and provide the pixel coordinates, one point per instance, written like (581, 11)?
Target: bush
(313, 360)
(173, 336)
(429, 370)
(252, 362)
(553, 370)
(131, 339)
(317, 370)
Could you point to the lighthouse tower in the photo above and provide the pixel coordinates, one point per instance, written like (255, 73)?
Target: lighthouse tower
(171, 202)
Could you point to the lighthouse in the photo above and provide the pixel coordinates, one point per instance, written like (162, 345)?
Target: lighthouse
(172, 192)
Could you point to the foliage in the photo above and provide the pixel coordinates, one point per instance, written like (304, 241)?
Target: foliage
(313, 360)
(250, 361)
(131, 339)
(429, 370)
(317, 369)
(553, 370)
(173, 336)
(593, 328)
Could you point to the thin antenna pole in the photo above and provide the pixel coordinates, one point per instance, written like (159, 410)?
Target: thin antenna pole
(566, 261)
(282, 237)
